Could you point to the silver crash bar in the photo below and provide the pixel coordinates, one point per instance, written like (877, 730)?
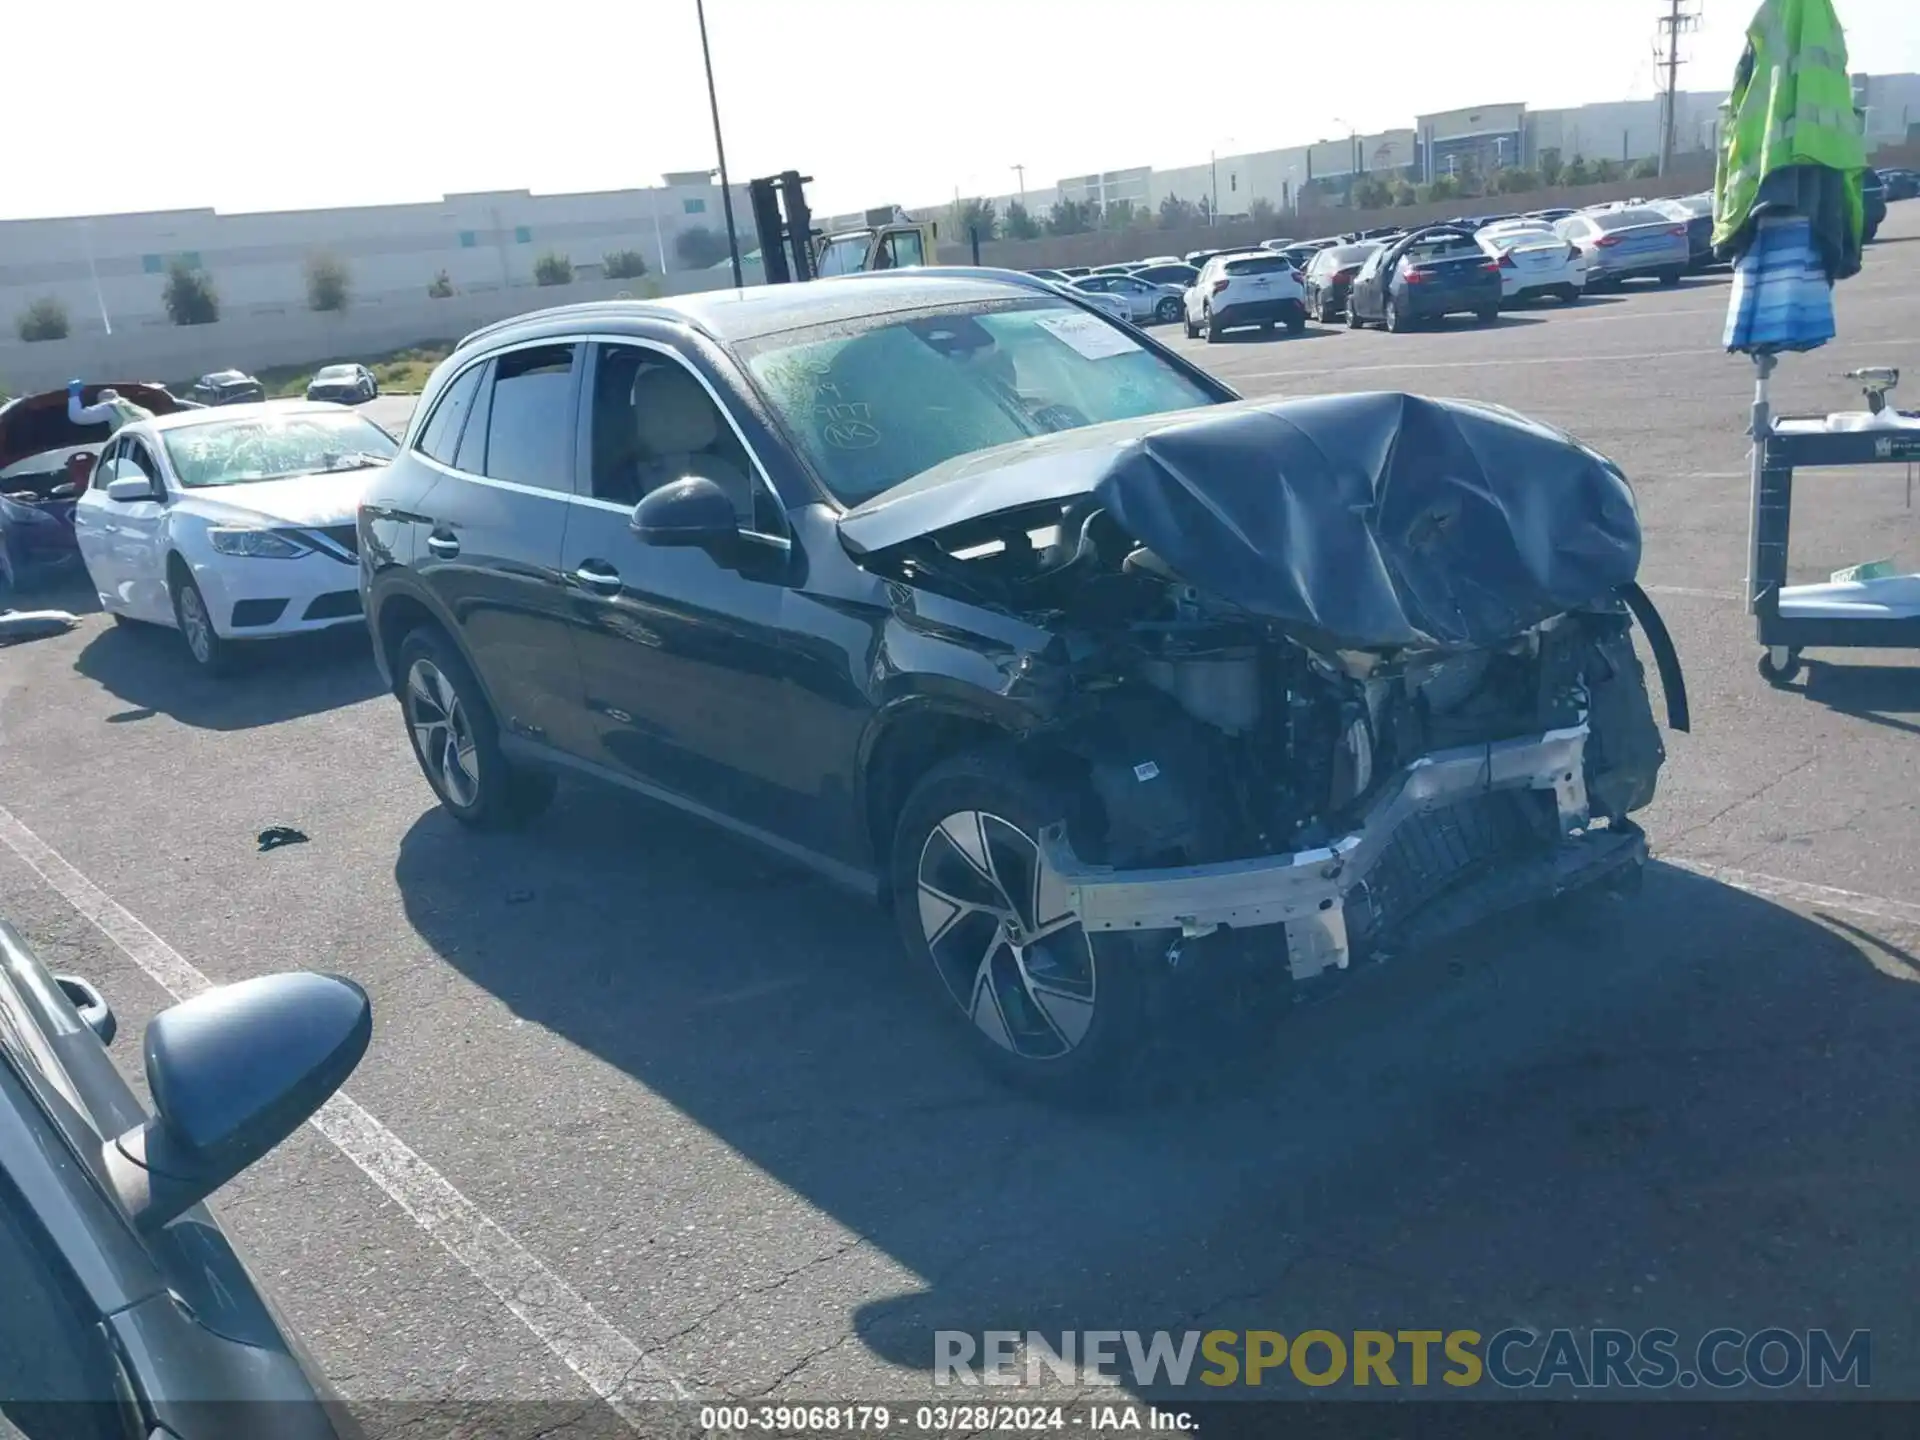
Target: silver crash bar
(1307, 891)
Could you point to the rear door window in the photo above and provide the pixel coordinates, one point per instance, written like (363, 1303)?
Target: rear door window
(530, 424)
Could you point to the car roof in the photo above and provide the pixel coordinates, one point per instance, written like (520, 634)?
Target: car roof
(739, 315)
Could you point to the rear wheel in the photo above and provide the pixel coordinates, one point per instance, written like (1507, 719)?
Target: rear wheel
(457, 740)
(1354, 322)
(1567, 294)
(1486, 314)
(1397, 321)
(1041, 1001)
(1297, 323)
(1670, 278)
(1214, 331)
(1186, 322)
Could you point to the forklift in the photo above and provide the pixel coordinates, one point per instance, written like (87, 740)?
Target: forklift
(792, 250)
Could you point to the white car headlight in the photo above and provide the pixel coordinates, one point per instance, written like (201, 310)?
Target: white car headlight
(255, 544)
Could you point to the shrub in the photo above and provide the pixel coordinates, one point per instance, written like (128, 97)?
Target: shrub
(698, 248)
(1605, 171)
(624, 264)
(1404, 192)
(553, 268)
(1262, 211)
(1019, 224)
(440, 287)
(326, 283)
(1644, 170)
(44, 319)
(189, 296)
(1575, 172)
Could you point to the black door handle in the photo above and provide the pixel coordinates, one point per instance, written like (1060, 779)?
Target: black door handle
(445, 546)
(601, 579)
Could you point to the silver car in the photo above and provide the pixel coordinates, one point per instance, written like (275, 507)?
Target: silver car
(1145, 300)
(1626, 244)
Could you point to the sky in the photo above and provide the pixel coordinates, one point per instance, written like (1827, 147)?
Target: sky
(286, 106)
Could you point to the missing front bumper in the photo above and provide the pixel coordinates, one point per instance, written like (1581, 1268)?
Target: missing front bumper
(1309, 892)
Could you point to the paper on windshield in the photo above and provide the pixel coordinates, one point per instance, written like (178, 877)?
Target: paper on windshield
(1089, 336)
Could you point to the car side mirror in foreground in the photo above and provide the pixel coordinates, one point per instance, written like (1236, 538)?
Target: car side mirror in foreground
(133, 487)
(689, 512)
(233, 1072)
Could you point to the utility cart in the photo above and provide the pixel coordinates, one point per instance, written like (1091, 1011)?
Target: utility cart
(1854, 610)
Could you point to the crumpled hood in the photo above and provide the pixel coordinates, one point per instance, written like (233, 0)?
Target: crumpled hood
(328, 499)
(1371, 520)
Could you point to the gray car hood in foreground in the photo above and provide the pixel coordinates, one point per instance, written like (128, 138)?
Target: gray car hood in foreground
(1374, 520)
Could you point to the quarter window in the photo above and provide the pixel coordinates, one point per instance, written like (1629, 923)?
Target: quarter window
(904, 248)
(532, 417)
(441, 438)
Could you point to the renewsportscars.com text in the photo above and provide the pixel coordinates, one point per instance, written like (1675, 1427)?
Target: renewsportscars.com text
(1514, 1359)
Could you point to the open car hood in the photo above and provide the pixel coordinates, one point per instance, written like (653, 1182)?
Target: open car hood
(1370, 520)
(38, 424)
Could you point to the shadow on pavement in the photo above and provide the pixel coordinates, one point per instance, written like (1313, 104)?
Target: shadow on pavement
(1276, 337)
(148, 667)
(1687, 1109)
(1880, 694)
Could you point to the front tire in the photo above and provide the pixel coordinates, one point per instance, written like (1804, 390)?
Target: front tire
(1167, 311)
(1354, 322)
(213, 655)
(1046, 1005)
(1671, 278)
(456, 739)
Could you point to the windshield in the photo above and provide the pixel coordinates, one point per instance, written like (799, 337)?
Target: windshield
(237, 452)
(844, 256)
(336, 372)
(1441, 247)
(876, 402)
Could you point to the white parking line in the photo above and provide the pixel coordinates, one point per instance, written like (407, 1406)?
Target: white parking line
(1814, 897)
(1691, 592)
(613, 1366)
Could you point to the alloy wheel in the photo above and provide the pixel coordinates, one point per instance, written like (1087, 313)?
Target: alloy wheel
(1010, 953)
(195, 625)
(442, 734)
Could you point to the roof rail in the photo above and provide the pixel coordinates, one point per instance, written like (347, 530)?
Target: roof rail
(579, 308)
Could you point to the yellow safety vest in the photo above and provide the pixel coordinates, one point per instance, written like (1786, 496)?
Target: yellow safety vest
(1792, 104)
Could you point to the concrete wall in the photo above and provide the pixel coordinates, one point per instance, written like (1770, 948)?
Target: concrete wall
(258, 262)
(293, 335)
(1112, 247)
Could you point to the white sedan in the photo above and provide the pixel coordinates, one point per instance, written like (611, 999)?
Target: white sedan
(231, 524)
(1534, 262)
(1144, 300)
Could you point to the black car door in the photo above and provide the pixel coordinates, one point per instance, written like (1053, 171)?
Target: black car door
(1368, 296)
(493, 531)
(700, 672)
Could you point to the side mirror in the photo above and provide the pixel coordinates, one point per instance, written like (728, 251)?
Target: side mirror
(130, 487)
(233, 1072)
(692, 512)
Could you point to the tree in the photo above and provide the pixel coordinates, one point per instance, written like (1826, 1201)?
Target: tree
(1071, 217)
(1262, 211)
(1515, 180)
(1648, 169)
(1550, 166)
(189, 296)
(623, 264)
(1019, 224)
(1444, 187)
(44, 319)
(1205, 208)
(698, 248)
(1118, 215)
(553, 268)
(440, 287)
(1371, 193)
(1403, 191)
(1177, 214)
(972, 215)
(1575, 172)
(326, 282)
(1605, 172)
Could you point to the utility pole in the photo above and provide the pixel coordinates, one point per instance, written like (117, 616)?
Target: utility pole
(1021, 171)
(1675, 23)
(719, 147)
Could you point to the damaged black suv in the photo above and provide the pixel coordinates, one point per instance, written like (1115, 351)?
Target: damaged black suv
(983, 604)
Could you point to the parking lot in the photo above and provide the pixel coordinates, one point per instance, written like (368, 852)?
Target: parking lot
(648, 1114)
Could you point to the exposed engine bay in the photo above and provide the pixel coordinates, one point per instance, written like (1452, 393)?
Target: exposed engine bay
(1273, 741)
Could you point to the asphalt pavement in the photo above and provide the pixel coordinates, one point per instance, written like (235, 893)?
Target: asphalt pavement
(678, 1122)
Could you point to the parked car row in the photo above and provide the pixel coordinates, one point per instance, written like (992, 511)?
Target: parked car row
(349, 384)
